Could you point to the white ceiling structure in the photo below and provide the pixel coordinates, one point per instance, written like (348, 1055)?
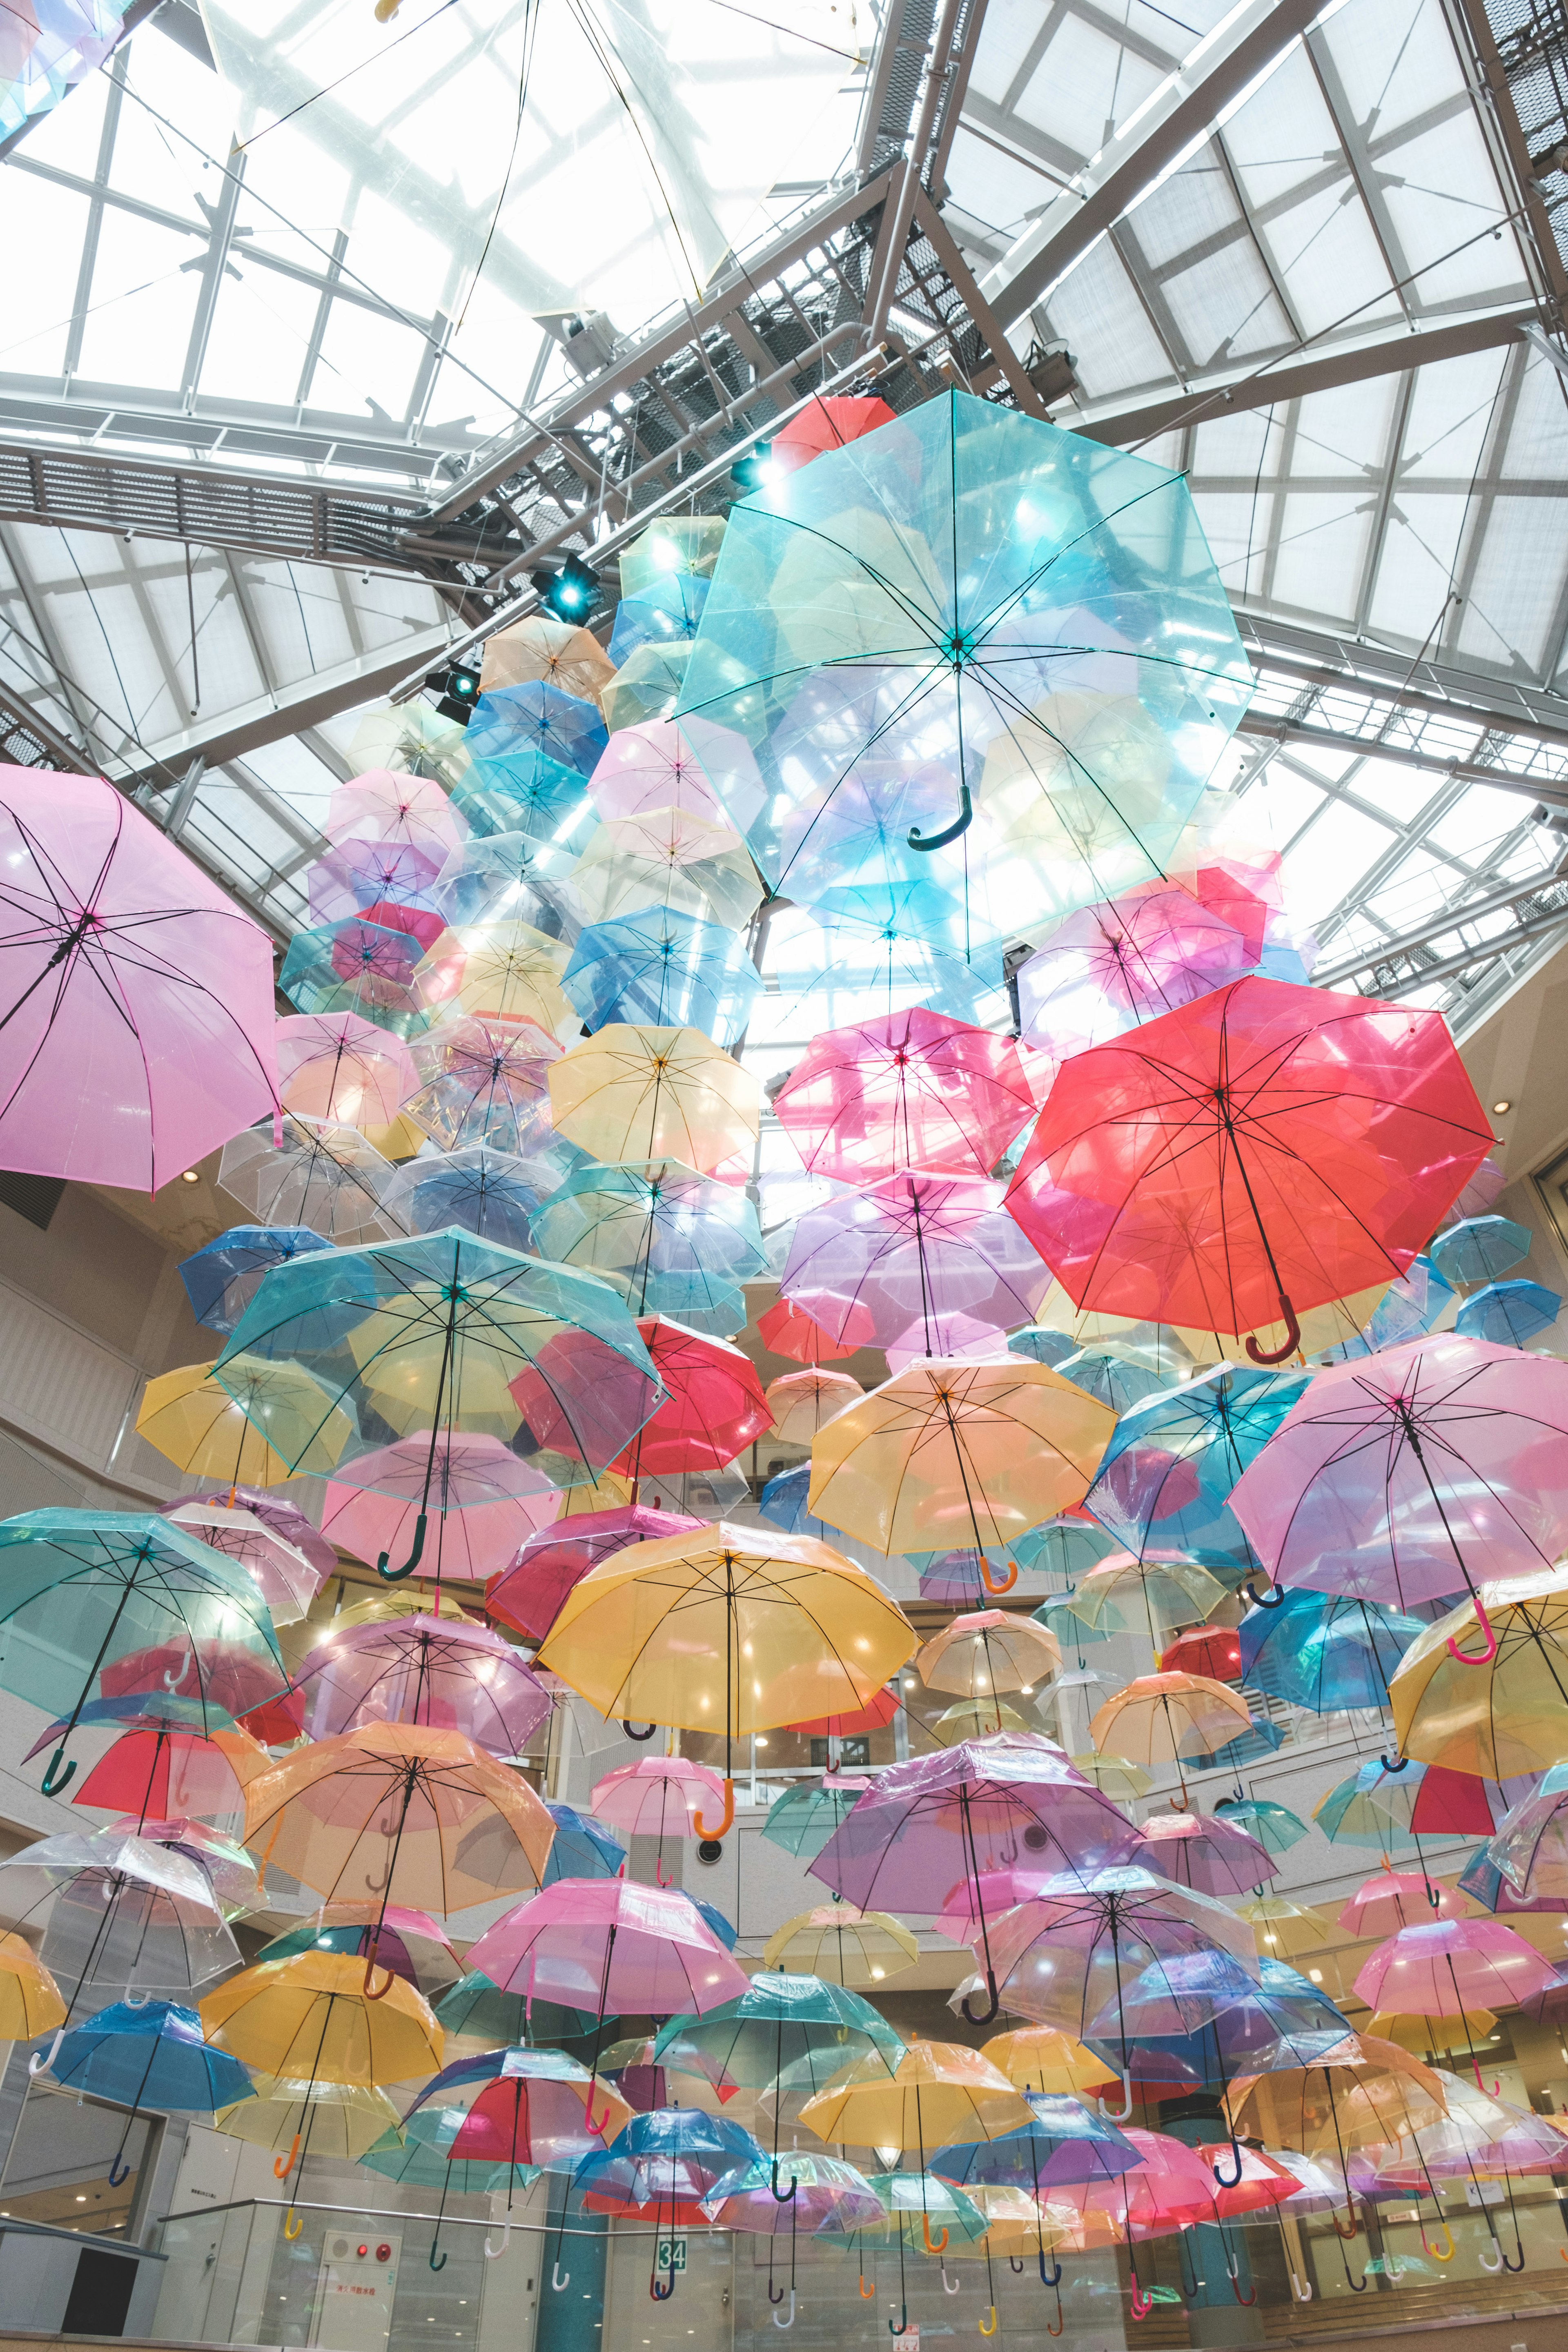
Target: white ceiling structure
(258, 432)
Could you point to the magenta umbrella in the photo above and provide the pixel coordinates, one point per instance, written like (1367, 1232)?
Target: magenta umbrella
(487, 1500)
(399, 810)
(909, 1250)
(287, 1580)
(1449, 1966)
(1107, 968)
(1418, 1473)
(528, 1595)
(1203, 1850)
(136, 1001)
(338, 1066)
(456, 1677)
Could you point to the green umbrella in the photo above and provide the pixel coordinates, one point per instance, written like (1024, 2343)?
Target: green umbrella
(803, 1819)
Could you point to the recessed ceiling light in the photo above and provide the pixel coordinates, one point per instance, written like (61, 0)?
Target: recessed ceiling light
(191, 1176)
(1499, 1109)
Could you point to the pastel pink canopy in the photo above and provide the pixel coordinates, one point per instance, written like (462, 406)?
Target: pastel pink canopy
(1453, 1965)
(909, 1089)
(611, 1947)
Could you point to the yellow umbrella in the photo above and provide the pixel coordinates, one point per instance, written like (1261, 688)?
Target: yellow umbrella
(946, 1455)
(297, 1640)
(609, 1492)
(667, 858)
(219, 1431)
(803, 1402)
(1115, 1775)
(311, 2019)
(846, 1945)
(1361, 2094)
(421, 1817)
(1176, 1590)
(340, 2119)
(976, 1718)
(1038, 2058)
(1280, 1925)
(939, 2093)
(403, 1349)
(630, 1092)
(1420, 2034)
(30, 2002)
(562, 653)
(1506, 1714)
(989, 1649)
(1014, 2223)
(727, 1630)
(497, 971)
(1160, 1718)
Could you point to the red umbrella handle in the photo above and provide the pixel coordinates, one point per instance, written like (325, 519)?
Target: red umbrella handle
(1489, 1652)
(1293, 1339)
(725, 1821)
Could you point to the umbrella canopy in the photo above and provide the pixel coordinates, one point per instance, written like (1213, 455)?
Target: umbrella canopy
(262, 1422)
(285, 1580)
(1174, 1460)
(358, 966)
(1107, 968)
(310, 2018)
(137, 1030)
(909, 1089)
(1363, 2092)
(385, 805)
(30, 2003)
(1283, 2019)
(610, 1946)
(805, 1816)
(914, 2202)
(421, 1816)
(1256, 1154)
(496, 972)
(1176, 1590)
(989, 1651)
(1385, 1804)
(1062, 2141)
(1214, 1652)
(1483, 1690)
(957, 1453)
(1479, 2136)
(789, 1331)
(712, 1408)
(1418, 1472)
(491, 1193)
(1396, 1899)
(631, 1093)
(652, 766)
(683, 1243)
(826, 2196)
(828, 421)
(1216, 1856)
(666, 967)
(1272, 1825)
(1171, 2188)
(1531, 1847)
(407, 1942)
(803, 1402)
(528, 1595)
(483, 1082)
(337, 1067)
(1037, 2058)
(1281, 1925)
(485, 1502)
(524, 2105)
(333, 2119)
(836, 1941)
(909, 1251)
(1451, 1964)
(153, 2053)
(220, 1278)
(565, 656)
(1325, 1652)
(319, 1174)
(422, 1670)
(939, 2091)
(658, 1795)
(1510, 1314)
(1161, 1717)
(779, 2020)
(1477, 1249)
(165, 1775)
(120, 1911)
(675, 2157)
(667, 858)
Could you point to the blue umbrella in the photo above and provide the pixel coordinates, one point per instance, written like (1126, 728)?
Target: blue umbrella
(639, 2163)
(663, 611)
(1509, 1313)
(155, 2051)
(1262, 1739)
(581, 1848)
(1119, 1381)
(846, 964)
(508, 877)
(680, 1243)
(527, 793)
(1275, 1827)
(420, 2160)
(1165, 1481)
(1477, 1249)
(356, 966)
(220, 1278)
(492, 1195)
(664, 968)
(782, 1503)
(1408, 1308)
(1056, 1611)
(1258, 2026)
(803, 1819)
(1061, 1547)
(713, 1917)
(1042, 1345)
(538, 717)
(1324, 1652)
(479, 2010)
(1064, 2141)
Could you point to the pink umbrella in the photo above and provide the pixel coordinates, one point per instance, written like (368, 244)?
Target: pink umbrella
(652, 766)
(409, 1943)
(658, 1797)
(487, 1502)
(1479, 2134)
(285, 1578)
(1419, 1472)
(528, 1595)
(984, 1898)
(458, 1677)
(1109, 967)
(335, 1065)
(1203, 1850)
(271, 1511)
(911, 1089)
(1169, 2189)
(610, 1947)
(911, 1249)
(360, 874)
(1451, 1966)
(136, 1015)
(399, 810)
(169, 1773)
(1396, 1899)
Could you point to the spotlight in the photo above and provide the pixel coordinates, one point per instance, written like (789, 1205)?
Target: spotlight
(571, 594)
(191, 1176)
(1500, 1109)
(456, 691)
(755, 470)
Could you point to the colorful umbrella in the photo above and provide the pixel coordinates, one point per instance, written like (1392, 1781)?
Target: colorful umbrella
(1509, 1314)
(987, 1652)
(1037, 2058)
(1062, 2141)
(152, 2052)
(712, 1407)
(788, 1331)
(529, 1594)
(1323, 1652)
(909, 1250)
(1107, 968)
(1396, 1899)
(493, 1194)
(938, 2092)
(1274, 1826)
(1499, 1709)
(567, 657)
(30, 2003)
(1213, 1854)
(630, 1094)
(1451, 1964)
(652, 766)
(409, 1943)
(828, 421)
(836, 1941)
(805, 1816)
(384, 805)
(220, 1278)
(262, 1422)
(1213, 1652)
(138, 1023)
(336, 1067)
(484, 1082)
(333, 2119)
(682, 1244)
(524, 2105)
(1160, 1718)
(803, 1402)
(356, 966)
(667, 967)
(658, 1797)
(420, 1670)
(1281, 1925)
(164, 1774)
(1256, 1154)
(310, 2018)
(119, 1913)
(310, 1172)
(1174, 1460)
(1477, 1249)
(909, 1089)
(285, 1580)
(1180, 1592)
(486, 1504)
(497, 971)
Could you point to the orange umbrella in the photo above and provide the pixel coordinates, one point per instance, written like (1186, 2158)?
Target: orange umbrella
(1160, 1718)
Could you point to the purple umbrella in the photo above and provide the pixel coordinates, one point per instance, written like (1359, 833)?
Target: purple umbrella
(983, 1805)
(283, 1518)
(1107, 968)
(909, 1251)
(424, 1670)
(1203, 1850)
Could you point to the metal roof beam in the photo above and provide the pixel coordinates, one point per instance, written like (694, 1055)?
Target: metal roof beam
(1555, 794)
(1330, 976)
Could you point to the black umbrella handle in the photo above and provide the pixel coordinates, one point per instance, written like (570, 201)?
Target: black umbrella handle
(987, 2017)
(391, 1575)
(961, 824)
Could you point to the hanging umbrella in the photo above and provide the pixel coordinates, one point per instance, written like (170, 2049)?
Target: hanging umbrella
(385, 806)
(422, 1816)
(82, 1590)
(1282, 2020)
(524, 2105)
(967, 1452)
(1497, 1709)
(805, 1816)
(712, 1408)
(985, 1896)
(566, 656)
(1214, 1652)
(419, 1670)
(580, 1847)
(1274, 1826)
(1107, 968)
(909, 1089)
(987, 1652)
(1036, 2058)
(119, 1913)
(1408, 1308)
(683, 1243)
(30, 2003)
(938, 2091)
(501, 877)
(1062, 1548)
(529, 1594)
(915, 2203)
(727, 1631)
(973, 1718)
(476, 2012)
(836, 1941)
(664, 966)
(1281, 1925)
(1529, 1848)
(1480, 1248)
(153, 2053)
(680, 2161)
(316, 1174)
(1236, 1159)
(1395, 1899)
(1424, 2035)
(630, 1094)
(163, 1774)
(343, 2119)
(493, 1194)
(220, 1278)
(803, 1402)
(263, 1422)
(779, 2018)
(667, 858)
(497, 971)
(1325, 1653)
(1452, 1964)
(276, 1514)
(356, 966)
(1203, 1851)
(658, 1797)
(1509, 1314)
(310, 2018)
(652, 766)
(1118, 1375)
(540, 712)
(1118, 1777)
(1362, 2093)
(447, 1334)
(909, 1250)
(1174, 1589)
(409, 1943)
(1160, 1718)
(787, 1331)
(484, 1082)
(1173, 1459)
(423, 2160)
(358, 876)
(335, 1067)
(1062, 2141)
(138, 1022)
(286, 1581)
(828, 421)
(486, 1501)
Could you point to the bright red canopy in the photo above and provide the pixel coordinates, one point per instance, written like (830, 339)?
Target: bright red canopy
(827, 424)
(714, 1408)
(789, 1331)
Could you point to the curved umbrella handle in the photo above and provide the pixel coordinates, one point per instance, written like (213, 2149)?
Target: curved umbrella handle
(1119, 2115)
(640, 1736)
(42, 2060)
(560, 2280)
(948, 2286)
(1432, 2250)
(1519, 2244)
(726, 1819)
(787, 2195)
(298, 2220)
(1300, 2293)
(171, 1681)
(1344, 2228)
(1489, 1652)
(961, 824)
(49, 1786)
(1014, 2265)
(1399, 1764)
(934, 2246)
(868, 2293)
(1496, 2090)
(1052, 2277)
(390, 1575)
(774, 2295)
(661, 2293)
(991, 2315)
(659, 1877)
(790, 2321)
(373, 1991)
(282, 2165)
(1230, 2180)
(1276, 1596)
(1491, 2266)
(1141, 2304)
(494, 2253)
(1292, 1338)
(437, 2262)
(902, 2323)
(1012, 1576)
(1235, 2278)
(116, 2179)
(986, 2015)
(1060, 2321)
(590, 2122)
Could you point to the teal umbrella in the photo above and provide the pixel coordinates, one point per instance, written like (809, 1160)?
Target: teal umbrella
(1274, 1826)
(803, 1819)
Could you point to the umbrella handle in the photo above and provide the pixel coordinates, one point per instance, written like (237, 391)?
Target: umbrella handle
(1276, 1600)
(1119, 2115)
(960, 824)
(638, 1735)
(1300, 2293)
(991, 2315)
(1506, 2263)
(726, 1820)
(589, 2122)
(373, 1991)
(1476, 2069)
(49, 1786)
(788, 2196)
(658, 1876)
(985, 2018)
(661, 2293)
(560, 2280)
(1012, 1576)
(790, 2321)
(282, 2165)
(1491, 2266)
(123, 2174)
(42, 2060)
(494, 2253)
(1060, 2321)
(1343, 2229)
(1489, 1652)
(1014, 2265)
(1231, 2180)
(390, 1575)
(1141, 2304)
(1432, 2250)
(932, 2246)
(902, 2323)
(947, 2287)
(869, 2294)
(1293, 1339)
(1052, 2277)
(437, 2262)
(1235, 2278)
(298, 2220)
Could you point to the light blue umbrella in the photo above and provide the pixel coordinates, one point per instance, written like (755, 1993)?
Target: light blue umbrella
(1166, 1477)
(1408, 1308)
(1042, 1345)
(1477, 1249)
(806, 1815)
(663, 611)
(509, 877)
(681, 1243)
(1509, 1313)
(783, 1503)
(1062, 1548)
(582, 1847)
(1275, 1827)
(356, 966)
(1323, 1652)
(220, 1278)
(664, 968)
(836, 967)
(492, 1195)
(1117, 1380)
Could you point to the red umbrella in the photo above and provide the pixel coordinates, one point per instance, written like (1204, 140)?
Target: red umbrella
(788, 1331)
(872, 1716)
(714, 1408)
(1456, 1804)
(1254, 1154)
(528, 1594)
(163, 1774)
(827, 424)
(1211, 1649)
(909, 1089)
